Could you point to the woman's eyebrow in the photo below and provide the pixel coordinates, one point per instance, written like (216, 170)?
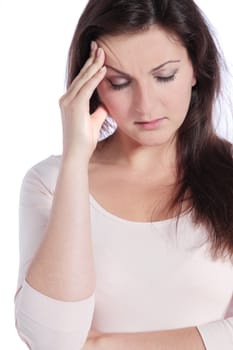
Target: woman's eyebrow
(152, 71)
(163, 64)
(117, 70)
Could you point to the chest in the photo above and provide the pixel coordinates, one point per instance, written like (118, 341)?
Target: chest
(132, 197)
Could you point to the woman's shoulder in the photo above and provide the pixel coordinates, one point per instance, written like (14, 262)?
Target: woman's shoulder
(49, 163)
(47, 166)
(43, 173)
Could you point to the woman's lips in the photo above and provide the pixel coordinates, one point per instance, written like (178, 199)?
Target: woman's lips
(152, 124)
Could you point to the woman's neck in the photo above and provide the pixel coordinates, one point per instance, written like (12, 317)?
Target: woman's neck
(120, 150)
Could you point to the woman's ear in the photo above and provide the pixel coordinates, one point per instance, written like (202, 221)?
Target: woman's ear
(194, 81)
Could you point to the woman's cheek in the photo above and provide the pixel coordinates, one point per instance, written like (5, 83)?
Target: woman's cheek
(114, 101)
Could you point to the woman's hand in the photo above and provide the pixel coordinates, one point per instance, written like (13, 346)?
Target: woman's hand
(80, 129)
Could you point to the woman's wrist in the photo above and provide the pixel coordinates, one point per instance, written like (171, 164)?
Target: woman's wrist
(77, 159)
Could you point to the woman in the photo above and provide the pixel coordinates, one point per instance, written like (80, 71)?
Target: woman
(126, 243)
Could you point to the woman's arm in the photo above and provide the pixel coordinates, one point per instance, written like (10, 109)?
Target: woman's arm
(55, 297)
(43, 322)
(209, 336)
(63, 266)
(178, 339)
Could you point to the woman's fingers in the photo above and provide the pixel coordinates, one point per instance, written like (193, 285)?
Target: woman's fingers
(87, 73)
(91, 72)
(88, 88)
(87, 64)
(91, 58)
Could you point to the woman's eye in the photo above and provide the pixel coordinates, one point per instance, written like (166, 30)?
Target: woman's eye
(119, 86)
(165, 79)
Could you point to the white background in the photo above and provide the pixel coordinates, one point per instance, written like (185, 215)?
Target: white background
(34, 41)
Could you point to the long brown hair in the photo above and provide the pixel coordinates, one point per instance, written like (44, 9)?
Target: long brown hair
(204, 160)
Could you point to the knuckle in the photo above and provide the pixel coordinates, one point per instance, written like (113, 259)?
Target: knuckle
(61, 100)
(91, 70)
(86, 75)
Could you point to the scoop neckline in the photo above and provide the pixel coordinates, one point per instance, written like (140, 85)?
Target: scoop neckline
(114, 217)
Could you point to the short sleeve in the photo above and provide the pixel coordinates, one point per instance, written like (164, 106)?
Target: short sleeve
(219, 334)
(44, 323)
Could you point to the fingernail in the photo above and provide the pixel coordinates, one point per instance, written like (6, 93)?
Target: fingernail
(99, 51)
(93, 45)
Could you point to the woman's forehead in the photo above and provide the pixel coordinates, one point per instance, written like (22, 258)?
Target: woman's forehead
(146, 48)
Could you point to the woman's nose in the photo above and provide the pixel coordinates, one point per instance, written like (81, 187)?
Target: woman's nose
(143, 100)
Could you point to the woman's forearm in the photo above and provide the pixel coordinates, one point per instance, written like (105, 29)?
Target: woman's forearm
(63, 267)
(178, 339)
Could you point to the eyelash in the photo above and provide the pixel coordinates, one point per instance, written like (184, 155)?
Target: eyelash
(119, 87)
(159, 79)
(166, 79)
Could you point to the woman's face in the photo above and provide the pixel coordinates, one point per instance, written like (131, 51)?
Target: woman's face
(148, 84)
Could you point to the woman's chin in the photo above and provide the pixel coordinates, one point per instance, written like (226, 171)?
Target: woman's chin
(154, 140)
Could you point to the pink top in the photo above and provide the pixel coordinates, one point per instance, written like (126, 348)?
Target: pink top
(148, 278)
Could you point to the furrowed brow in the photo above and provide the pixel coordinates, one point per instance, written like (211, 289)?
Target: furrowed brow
(152, 71)
(118, 71)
